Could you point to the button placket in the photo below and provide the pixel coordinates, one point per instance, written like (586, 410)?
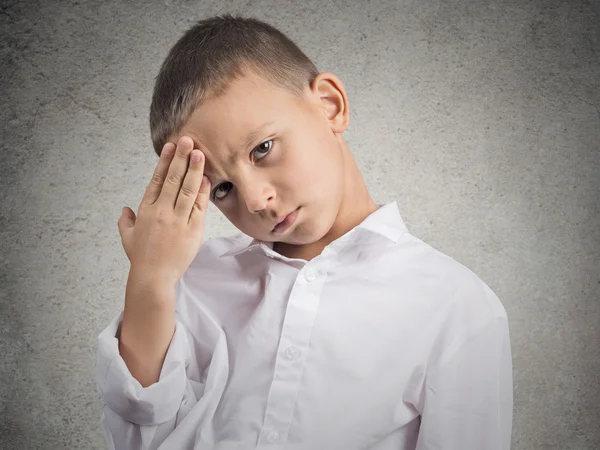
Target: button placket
(300, 315)
(292, 352)
(273, 436)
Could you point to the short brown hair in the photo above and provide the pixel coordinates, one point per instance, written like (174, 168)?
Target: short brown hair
(211, 54)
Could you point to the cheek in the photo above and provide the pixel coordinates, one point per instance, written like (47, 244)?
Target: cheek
(306, 168)
(311, 177)
(312, 163)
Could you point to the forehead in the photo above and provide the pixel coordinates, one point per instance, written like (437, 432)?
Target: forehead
(223, 126)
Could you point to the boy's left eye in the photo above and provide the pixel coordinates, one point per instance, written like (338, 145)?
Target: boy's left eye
(265, 150)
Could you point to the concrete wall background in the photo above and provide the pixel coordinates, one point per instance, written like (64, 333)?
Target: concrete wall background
(481, 118)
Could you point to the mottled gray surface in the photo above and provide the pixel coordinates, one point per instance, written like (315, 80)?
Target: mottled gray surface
(481, 118)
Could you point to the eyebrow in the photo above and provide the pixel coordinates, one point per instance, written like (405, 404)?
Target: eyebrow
(250, 138)
(253, 135)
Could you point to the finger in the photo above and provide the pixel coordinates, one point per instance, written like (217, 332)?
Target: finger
(201, 204)
(177, 172)
(191, 184)
(158, 177)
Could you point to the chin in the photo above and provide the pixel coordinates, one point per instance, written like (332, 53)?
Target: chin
(308, 236)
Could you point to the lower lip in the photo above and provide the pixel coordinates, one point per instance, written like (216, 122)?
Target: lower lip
(286, 223)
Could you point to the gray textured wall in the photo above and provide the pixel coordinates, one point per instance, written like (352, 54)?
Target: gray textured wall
(481, 118)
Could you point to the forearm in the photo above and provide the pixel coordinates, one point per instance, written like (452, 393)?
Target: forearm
(147, 328)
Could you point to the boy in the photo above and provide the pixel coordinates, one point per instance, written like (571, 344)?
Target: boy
(324, 324)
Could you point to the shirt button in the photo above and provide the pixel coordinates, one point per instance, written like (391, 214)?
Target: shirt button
(273, 436)
(292, 352)
(309, 275)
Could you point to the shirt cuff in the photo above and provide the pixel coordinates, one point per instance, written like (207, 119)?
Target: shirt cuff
(123, 394)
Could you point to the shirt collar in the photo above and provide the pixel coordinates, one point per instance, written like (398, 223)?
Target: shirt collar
(385, 221)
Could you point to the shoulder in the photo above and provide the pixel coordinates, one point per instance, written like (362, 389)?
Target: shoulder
(451, 303)
(450, 289)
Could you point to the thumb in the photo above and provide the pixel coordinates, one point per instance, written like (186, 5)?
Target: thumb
(127, 219)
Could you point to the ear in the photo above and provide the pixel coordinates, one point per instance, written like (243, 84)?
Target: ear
(332, 101)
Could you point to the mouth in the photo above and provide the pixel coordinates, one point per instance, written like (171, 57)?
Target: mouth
(286, 223)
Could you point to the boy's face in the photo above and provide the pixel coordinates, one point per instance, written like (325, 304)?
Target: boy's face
(294, 162)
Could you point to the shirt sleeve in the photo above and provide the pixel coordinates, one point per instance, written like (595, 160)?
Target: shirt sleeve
(468, 399)
(134, 417)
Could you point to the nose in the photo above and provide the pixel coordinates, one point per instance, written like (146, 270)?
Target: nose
(257, 196)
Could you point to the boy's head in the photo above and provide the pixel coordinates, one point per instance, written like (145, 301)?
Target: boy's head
(269, 124)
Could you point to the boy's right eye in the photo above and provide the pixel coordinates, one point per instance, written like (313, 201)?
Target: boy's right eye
(215, 190)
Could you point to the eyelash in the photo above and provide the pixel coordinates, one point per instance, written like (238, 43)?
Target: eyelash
(214, 198)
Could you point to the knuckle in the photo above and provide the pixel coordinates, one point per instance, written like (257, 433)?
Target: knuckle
(174, 178)
(183, 151)
(161, 217)
(156, 179)
(199, 206)
(187, 191)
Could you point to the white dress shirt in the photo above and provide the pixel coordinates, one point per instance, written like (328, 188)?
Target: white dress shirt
(380, 342)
